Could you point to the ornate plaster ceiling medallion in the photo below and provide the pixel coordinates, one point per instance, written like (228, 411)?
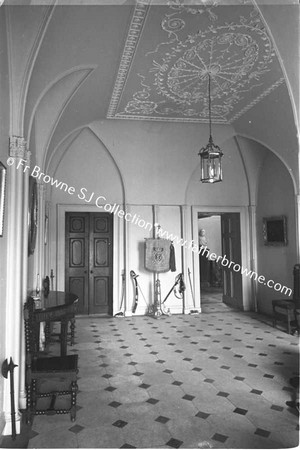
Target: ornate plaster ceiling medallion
(169, 69)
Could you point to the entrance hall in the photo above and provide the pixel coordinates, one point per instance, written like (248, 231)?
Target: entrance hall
(219, 379)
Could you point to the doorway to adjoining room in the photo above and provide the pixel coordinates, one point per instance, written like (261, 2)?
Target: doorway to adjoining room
(211, 278)
(220, 282)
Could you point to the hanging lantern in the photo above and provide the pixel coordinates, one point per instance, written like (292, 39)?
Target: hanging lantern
(211, 164)
(211, 154)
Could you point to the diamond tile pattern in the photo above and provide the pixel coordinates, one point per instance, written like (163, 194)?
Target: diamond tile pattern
(213, 380)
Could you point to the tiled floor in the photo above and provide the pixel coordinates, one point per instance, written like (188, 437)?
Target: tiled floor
(219, 379)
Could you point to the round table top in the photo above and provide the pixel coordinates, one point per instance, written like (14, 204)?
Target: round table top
(54, 300)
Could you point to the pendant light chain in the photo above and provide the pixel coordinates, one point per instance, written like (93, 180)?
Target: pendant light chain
(209, 106)
(211, 154)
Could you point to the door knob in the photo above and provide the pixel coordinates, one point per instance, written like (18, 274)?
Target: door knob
(92, 271)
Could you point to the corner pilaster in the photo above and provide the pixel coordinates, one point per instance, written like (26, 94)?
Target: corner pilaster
(15, 277)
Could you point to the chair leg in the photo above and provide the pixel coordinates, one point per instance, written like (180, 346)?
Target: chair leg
(47, 334)
(28, 403)
(33, 396)
(72, 327)
(289, 318)
(74, 389)
(274, 317)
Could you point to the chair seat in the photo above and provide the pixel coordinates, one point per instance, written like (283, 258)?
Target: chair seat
(56, 364)
(285, 304)
(289, 310)
(284, 310)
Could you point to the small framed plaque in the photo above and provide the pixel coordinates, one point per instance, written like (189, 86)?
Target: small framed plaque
(275, 230)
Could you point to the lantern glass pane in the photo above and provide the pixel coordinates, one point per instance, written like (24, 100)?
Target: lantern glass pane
(211, 169)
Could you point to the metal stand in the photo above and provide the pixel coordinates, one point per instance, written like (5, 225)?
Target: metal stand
(4, 370)
(192, 311)
(158, 303)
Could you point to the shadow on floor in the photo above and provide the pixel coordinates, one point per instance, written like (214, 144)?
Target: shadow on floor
(21, 440)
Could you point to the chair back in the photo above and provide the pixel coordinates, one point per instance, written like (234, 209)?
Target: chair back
(296, 291)
(31, 331)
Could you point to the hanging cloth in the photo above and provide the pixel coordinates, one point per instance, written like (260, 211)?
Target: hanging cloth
(172, 258)
(157, 255)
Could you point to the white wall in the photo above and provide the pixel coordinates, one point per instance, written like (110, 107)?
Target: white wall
(275, 198)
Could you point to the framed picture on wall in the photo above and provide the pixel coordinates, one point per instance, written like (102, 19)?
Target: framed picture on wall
(32, 215)
(275, 230)
(2, 196)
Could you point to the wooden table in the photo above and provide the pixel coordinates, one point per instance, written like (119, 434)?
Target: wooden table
(57, 306)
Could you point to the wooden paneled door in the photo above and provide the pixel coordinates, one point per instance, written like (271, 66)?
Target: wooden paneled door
(89, 261)
(231, 247)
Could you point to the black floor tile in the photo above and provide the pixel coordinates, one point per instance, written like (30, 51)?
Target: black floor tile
(174, 443)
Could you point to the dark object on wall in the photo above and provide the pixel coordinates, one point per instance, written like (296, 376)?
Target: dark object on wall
(275, 230)
(32, 215)
(46, 286)
(172, 258)
(2, 196)
(134, 276)
(9, 367)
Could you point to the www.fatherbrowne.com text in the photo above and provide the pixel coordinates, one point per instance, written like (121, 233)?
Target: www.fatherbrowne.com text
(99, 201)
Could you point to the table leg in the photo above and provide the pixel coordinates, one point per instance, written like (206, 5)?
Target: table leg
(63, 337)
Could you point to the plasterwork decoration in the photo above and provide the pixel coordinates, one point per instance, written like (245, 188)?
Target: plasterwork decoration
(167, 75)
(136, 25)
(18, 147)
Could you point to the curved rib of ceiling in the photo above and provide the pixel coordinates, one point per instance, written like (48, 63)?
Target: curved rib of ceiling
(273, 126)
(280, 60)
(31, 61)
(26, 28)
(55, 157)
(277, 154)
(51, 104)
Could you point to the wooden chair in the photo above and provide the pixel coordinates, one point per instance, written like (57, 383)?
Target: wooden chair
(289, 310)
(47, 377)
(49, 324)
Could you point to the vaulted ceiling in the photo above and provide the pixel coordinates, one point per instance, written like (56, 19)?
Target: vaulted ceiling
(77, 62)
(170, 51)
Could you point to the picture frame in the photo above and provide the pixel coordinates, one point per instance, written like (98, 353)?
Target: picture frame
(275, 231)
(3, 174)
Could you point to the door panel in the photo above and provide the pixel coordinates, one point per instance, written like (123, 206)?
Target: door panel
(78, 286)
(100, 291)
(101, 247)
(231, 250)
(89, 260)
(101, 263)
(77, 258)
(77, 252)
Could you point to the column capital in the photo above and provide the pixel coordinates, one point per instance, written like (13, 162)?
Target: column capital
(18, 148)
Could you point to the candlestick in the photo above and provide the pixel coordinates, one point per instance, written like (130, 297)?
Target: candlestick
(37, 284)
